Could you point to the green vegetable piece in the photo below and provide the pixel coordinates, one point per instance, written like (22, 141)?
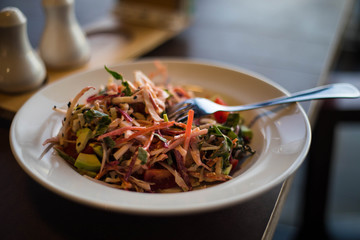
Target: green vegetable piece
(127, 90)
(116, 75)
(161, 138)
(88, 162)
(65, 156)
(225, 147)
(165, 116)
(97, 149)
(89, 173)
(102, 121)
(233, 120)
(83, 136)
(227, 170)
(142, 155)
(246, 132)
(92, 114)
(232, 135)
(109, 142)
(103, 125)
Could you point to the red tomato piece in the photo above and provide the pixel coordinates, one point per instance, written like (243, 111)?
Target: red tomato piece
(220, 117)
(234, 163)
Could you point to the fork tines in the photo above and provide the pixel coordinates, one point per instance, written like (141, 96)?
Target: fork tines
(179, 111)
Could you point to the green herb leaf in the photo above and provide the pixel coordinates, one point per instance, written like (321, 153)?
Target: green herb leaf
(116, 75)
(103, 120)
(109, 142)
(227, 131)
(161, 138)
(127, 90)
(142, 155)
(225, 148)
(232, 135)
(91, 114)
(232, 120)
(103, 125)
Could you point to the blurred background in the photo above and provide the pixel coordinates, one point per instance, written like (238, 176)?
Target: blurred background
(343, 210)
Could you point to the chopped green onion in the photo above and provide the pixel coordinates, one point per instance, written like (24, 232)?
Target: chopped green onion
(165, 116)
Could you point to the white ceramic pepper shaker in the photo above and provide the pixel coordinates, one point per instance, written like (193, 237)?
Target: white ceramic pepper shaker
(63, 44)
(21, 69)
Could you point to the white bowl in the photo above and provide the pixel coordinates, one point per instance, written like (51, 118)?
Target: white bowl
(281, 140)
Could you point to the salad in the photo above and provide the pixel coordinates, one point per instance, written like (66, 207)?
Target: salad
(121, 137)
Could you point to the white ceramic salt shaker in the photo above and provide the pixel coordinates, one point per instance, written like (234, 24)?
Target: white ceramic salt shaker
(63, 44)
(21, 69)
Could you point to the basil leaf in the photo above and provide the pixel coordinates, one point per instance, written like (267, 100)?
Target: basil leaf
(142, 155)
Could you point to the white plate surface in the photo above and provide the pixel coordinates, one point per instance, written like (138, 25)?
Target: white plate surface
(281, 140)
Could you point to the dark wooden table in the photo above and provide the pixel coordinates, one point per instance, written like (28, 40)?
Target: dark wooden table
(291, 42)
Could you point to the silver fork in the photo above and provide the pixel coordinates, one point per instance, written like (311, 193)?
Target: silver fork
(203, 106)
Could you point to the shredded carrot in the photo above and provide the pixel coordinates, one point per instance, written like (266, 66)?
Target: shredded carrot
(145, 131)
(148, 142)
(182, 92)
(180, 124)
(188, 129)
(181, 139)
(119, 131)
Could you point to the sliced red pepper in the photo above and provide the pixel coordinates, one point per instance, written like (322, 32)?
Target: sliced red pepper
(220, 117)
(95, 97)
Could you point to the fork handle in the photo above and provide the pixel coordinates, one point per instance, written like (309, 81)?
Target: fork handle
(337, 90)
